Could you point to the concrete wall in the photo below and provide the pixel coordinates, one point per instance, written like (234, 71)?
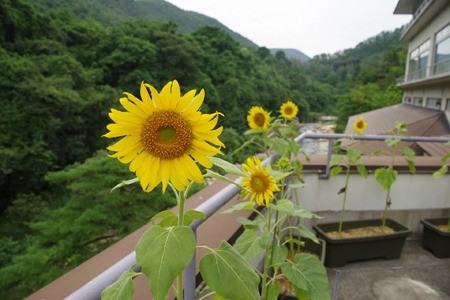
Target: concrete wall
(413, 197)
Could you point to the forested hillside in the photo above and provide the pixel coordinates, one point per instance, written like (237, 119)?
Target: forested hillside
(364, 77)
(63, 68)
(115, 12)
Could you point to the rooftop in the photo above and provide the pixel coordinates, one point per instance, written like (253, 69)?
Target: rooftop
(420, 121)
(417, 274)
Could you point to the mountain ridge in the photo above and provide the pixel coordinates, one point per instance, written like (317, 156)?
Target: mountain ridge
(291, 53)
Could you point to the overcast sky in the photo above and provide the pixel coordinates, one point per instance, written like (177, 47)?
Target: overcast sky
(312, 26)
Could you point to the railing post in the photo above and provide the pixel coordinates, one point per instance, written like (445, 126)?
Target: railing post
(189, 275)
(329, 153)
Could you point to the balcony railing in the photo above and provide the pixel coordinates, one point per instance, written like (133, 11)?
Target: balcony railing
(416, 75)
(93, 289)
(440, 68)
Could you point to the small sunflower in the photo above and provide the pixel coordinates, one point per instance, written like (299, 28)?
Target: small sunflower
(360, 125)
(289, 110)
(260, 183)
(164, 136)
(258, 118)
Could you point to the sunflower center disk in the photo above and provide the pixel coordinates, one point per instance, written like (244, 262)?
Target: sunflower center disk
(360, 124)
(259, 119)
(167, 134)
(288, 110)
(258, 184)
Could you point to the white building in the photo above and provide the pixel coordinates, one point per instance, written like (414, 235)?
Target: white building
(427, 77)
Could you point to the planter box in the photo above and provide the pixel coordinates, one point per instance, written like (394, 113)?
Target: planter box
(341, 251)
(434, 239)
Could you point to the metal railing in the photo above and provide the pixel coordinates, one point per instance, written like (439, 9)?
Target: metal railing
(93, 289)
(440, 68)
(435, 70)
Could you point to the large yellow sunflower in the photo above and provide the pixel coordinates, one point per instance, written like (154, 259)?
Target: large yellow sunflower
(259, 182)
(289, 110)
(258, 118)
(360, 125)
(163, 136)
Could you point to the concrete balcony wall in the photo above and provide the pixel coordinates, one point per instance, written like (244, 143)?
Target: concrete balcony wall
(413, 197)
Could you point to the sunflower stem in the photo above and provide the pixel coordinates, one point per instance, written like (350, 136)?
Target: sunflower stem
(267, 259)
(181, 198)
(341, 219)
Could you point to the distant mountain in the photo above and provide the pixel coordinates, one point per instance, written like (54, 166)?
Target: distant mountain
(114, 12)
(292, 53)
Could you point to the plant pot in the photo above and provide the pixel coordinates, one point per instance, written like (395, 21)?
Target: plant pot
(434, 239)
(341, 251)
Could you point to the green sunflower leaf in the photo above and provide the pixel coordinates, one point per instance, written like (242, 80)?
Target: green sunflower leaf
(335, 170)
(227, 167)
(308, 274)
(273, 291)
(213, 174)
(163, 254)
(169, 218)
(362, 170)
(303, 231)
(227, 273)
(336, 159)
(247, 205)
(441, 172)
(353, 155)
(191, 215)
(249, 244)
(279, 254)
(124, 183)
(123, 288)
(385, 177)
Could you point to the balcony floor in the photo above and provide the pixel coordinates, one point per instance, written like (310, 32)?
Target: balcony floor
(416, 275)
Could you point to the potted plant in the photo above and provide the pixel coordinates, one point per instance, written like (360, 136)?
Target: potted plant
(436, 231)
(367, 239)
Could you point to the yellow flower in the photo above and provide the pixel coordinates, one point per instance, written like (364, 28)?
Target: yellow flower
(163, 136)
(360, 125)
(259, 182)
(289, 110)
(258, 118)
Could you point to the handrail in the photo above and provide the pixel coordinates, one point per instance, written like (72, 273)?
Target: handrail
(93, 289)
(370, 137)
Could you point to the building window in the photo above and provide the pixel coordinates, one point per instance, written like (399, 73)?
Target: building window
(407, 100)
(434, 103)
(418, 61)
(447, 108)
(417, 101)
(442, 51)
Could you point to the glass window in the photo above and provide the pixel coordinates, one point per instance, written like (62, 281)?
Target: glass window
(442, 56)
(407, 100)
(447, 108)
(434, 103)
(418, 61)
(443, 33)
(417, 101)
(442, 51)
